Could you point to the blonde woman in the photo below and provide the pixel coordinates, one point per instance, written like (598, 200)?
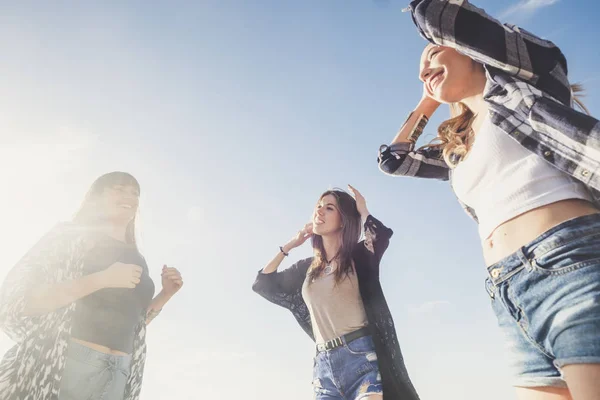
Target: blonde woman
(525, 165)
(77, 304)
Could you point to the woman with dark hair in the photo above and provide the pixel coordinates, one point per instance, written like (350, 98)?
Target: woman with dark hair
(337, 299)
(524, 164)
(77, 304)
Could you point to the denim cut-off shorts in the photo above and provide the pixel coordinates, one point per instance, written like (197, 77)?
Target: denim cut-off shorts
(92, 375)
(547, 300)
(348, 372)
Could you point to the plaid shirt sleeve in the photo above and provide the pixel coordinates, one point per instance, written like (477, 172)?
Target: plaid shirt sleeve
(401, 159)
(508, 48)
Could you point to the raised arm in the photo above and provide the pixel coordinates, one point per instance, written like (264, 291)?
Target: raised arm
(400, 157)
(172, 282)
(277, 287)
(377, 235)
(471, 31)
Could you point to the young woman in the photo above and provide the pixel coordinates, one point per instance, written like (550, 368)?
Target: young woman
(337, 299)
(524, 164)
(78, 303)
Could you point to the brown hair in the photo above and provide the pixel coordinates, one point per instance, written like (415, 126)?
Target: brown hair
(351, 229)
(455, 134)
(87, 213)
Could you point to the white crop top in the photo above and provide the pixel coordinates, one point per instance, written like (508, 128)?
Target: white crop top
(500, 180)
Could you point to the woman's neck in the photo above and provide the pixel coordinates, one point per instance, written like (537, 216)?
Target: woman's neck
(476, 103)
(332, 245)
(117, 232)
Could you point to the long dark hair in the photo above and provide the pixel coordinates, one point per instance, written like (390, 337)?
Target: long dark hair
(88, 214)
(351, 229)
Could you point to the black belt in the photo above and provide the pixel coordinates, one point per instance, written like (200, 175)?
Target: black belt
(339, 341)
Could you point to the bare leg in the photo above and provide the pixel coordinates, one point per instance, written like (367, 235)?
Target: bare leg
(543, 393)
(583, 380)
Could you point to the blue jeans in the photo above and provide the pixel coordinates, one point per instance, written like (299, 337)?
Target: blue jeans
(91, 375)
(547, 300)
(348, 372)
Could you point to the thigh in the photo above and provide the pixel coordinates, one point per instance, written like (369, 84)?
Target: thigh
(543, 393)
(583, 380)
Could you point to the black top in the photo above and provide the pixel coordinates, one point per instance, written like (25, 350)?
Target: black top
(285, 289)
(109, 316)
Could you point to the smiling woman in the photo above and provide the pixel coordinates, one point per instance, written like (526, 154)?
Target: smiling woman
(523, 162)
(337, 299)
(78, 303)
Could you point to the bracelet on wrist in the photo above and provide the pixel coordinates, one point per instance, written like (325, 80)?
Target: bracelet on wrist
(283, 251)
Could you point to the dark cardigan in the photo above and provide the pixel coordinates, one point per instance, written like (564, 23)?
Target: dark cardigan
(285, 289)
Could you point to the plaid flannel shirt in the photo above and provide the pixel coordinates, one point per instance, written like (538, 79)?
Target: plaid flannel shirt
(527, 91)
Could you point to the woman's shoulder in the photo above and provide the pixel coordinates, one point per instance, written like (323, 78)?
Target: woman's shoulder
(68, 232)
(303, 264)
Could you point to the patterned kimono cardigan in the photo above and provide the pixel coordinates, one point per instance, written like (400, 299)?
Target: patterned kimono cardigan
(32, 369)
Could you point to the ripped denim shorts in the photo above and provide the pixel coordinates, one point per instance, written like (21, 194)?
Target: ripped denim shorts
(348, 372)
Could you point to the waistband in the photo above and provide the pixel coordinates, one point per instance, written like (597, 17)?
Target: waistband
(554, 237)
(344, 339)
(80, 352)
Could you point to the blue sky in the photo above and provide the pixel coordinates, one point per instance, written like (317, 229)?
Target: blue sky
(235, 116)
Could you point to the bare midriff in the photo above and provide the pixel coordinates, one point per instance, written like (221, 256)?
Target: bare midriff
(523, 229)
(99, 348)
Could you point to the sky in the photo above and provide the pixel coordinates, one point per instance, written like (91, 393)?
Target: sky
(235, 116)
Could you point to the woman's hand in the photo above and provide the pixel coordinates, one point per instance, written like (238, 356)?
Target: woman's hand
(301, 237)
(428, 98)
(361, 203)
(121, 275)
(171, 280)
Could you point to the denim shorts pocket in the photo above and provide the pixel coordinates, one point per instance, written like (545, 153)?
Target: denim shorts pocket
(361, 346)
(569, 255)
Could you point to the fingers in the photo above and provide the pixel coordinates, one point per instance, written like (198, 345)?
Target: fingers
(172, 274)
(167, 271)
(178, 282)
(352, 190)
(308, 228)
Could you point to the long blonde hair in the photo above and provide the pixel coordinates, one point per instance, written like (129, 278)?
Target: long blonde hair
(455, 135)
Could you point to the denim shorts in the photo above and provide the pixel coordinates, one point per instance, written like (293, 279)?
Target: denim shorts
(92, 375)
(547, 300)
(348, 372)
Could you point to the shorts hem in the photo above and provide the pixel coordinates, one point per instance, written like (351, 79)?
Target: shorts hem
(363, 395)
(556, 382)
(577, 360)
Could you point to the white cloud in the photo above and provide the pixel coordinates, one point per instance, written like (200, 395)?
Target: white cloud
(428, 306)
(526, 7)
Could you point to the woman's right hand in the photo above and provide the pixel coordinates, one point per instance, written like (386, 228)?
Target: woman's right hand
(428, 98)
(301, 237)
(120, 275)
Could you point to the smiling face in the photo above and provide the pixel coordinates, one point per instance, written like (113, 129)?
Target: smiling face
(118, 203)
(113, 197)
(448, 76)
(327, 219)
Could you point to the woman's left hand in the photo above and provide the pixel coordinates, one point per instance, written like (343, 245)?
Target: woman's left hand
(171, 280)
(361, 203)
